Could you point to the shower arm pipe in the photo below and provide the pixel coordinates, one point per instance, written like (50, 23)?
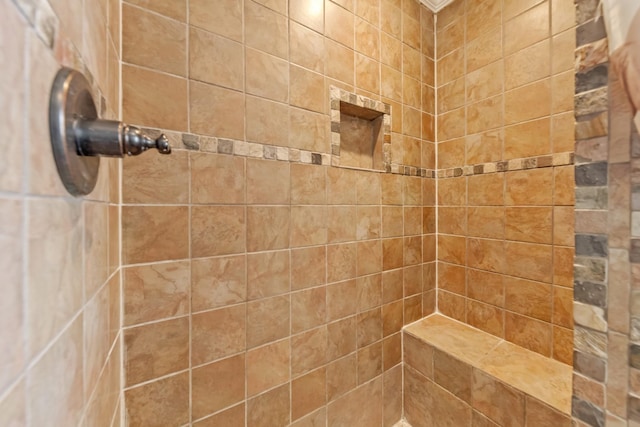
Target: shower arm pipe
(79, 137)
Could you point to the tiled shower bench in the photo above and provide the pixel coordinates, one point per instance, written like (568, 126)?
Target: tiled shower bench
(458, 376)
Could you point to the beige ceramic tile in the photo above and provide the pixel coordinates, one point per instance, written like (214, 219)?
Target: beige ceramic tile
(527, 139)
(306, 47)
(227, 172)
(309, 13)
(454, 338)
(226, 376)
(144, 95)
(341, 262)
(267, 274)
(341, 410)
(156, 349)
(272, 190)
(219, 333)
(54, 236)
(341, 338)
(529, 224)
(217, 230)
(308, 225)
(265, 30)
(529, 298)
(156, 179)
(216, 282)
(162, 401)
(267, 367)
(58, 372)
(155, 292)
(339, 62)
(216, 111)
(527, 28)
(233, 417)
(308, 267)
(172, 9)
(529, 261)
(341, 300)
(270, 409)
(214, 59)
(162, 47)
(222, 17)
(267, 228)
(339, 24)
(529, 333)
(306, 89)
(308, 351)
(308, 393)
(497, 401)
(528, 65)
(308, 309)
(542, 378)
(13, 99)
(267, 320)
(367, 35)
(308, 130)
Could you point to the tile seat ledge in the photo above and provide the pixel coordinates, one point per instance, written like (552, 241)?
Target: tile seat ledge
(531, 373)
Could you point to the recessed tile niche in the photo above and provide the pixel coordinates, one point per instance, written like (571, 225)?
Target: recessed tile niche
(360, 132)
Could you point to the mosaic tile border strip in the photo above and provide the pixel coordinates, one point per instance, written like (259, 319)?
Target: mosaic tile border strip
(209, 144)
(338, 96)
(558, 159)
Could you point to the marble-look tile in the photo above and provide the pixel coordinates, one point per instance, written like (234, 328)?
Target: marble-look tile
(226, 376)
(159, 402)
(154, 292)
(155, 350)
(58, 373)
(54, 273)
(540, 377)
(454, 338)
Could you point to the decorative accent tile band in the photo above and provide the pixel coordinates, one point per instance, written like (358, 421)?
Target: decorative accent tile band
(209, 144)
(550, 160)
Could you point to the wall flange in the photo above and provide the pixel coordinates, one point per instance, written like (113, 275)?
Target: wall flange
(78, 136)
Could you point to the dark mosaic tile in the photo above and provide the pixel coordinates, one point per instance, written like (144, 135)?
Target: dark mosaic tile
(635, 142)
(316, 158)
(589, 366)
(586, 10)
(634, 253)
(590, 31)
(590, 293)
(592, 102)
(225, 146)
(529, 164)
(634, 356)
(335, 127)
(270, 153)
(592, 245)
(191, 142)
(590, 269)
(592, 79)
(587, 412)
(633, 408)
(502, 166)
(592, 197)
(635, 198)
(335, 104)
(478, 169)
(591, 174)
(457, 172)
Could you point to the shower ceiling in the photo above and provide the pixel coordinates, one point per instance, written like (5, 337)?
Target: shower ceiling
(436, 5)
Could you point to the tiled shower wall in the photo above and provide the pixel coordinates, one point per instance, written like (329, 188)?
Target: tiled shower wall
(505, 177)
(60, 361)
(261, 284)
